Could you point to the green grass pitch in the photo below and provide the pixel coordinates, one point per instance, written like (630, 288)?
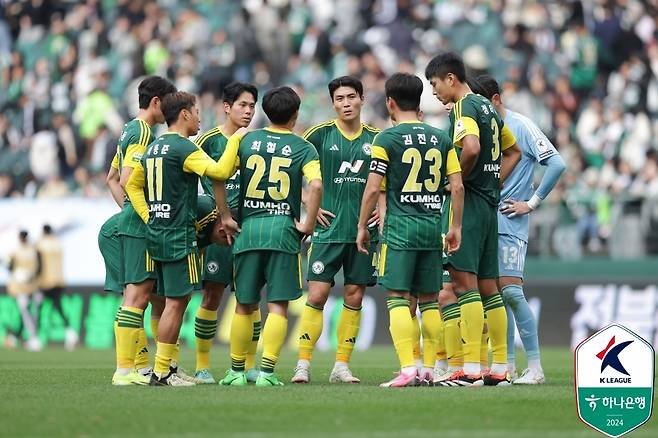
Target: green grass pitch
(55, 393)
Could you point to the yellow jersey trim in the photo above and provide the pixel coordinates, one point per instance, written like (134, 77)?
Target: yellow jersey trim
(312, 129)
(379, 153)
(346, 135)
(278, 131)
(311, 170)
(508, 138)
(452, 164)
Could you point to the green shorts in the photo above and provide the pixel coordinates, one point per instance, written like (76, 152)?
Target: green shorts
(180, 277)
(326, 259)
(218, 264)
(136, 264)
(478, 252)
(416, 271)
(281, 271)
(110, 247)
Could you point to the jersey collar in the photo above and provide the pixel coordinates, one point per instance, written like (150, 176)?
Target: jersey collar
(278, 131)
(349, 137)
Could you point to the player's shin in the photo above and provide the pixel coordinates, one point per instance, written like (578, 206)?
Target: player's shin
(241, 335)
(484, 346)
(525, 322)
(129, 321)
(274, 335)
(401, 328)
(142, 355)
(250, 362)
(310, 330)
(453, 336)
(348, 329)
(472, 323)
(431, 326)
(497, 326)
(205, 328)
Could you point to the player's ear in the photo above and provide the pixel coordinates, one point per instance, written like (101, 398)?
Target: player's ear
(227, 107)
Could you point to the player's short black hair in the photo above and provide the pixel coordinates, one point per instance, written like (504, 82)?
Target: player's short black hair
(47, 229)
(487, 86)
(235, 89)
(153, 86)
(280, 104)
(448, 62)
(174, 103)
(405, 89)
(345, 81)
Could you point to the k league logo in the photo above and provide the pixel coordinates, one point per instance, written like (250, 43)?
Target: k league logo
(615, 371)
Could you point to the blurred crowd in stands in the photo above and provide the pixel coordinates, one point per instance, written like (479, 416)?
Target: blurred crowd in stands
(585, 72)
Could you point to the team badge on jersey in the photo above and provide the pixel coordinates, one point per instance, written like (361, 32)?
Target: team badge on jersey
(367, 149)
(317, 267)
(213, 267)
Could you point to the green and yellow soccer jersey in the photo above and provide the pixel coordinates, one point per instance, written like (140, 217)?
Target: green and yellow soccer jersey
(171, 179)
(475, 115)
(272, 163)
(344, 163)
(135, 138)
(415, 158)
(213, 143)
(206, 215)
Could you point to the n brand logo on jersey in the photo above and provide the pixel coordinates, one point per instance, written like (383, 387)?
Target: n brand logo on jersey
(334, 148)
(354, 168)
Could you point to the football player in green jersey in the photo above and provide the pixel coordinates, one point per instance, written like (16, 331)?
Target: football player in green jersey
(168, 178)
(272, 163)
(239, 105)
(135, 266)
(481, 139)
(415, 158)
(344, 147)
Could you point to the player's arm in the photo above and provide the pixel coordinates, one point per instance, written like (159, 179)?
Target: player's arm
(135, 192)
(378, 168)
(467, 136)
(453, 172)
(200, 162)
(311, 172)
(226, 222)
(112, 182)
(511, 154)
(548, 156)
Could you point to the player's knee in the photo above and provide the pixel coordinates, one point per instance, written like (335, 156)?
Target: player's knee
(353, 295)
(513, 295)
(447, 297)
(212, 295)
(317, 298)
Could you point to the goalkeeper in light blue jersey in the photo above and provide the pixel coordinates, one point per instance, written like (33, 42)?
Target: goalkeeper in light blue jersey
(518, 199)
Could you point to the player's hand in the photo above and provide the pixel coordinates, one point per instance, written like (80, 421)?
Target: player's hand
(323, 217)
(363, 240)
(446, 188)
(229, 226)
(452, 241)
(303, 229)
(513, 208)
(374, 218)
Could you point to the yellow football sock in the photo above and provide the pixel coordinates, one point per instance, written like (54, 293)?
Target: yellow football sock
(154, 328)
(497, 325)
(242, 327)
(142, 356)
(484, 346)
(441, 341)
(205, 328)
(129, 321)
(415, 336)
(402, 330)
(274, 335)
(472, 322)
(348, 329)
(163, 356)
(310, 330)
(453, 335)
(250, 362)
(116, 335)
(175, 354)
(431, 323)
